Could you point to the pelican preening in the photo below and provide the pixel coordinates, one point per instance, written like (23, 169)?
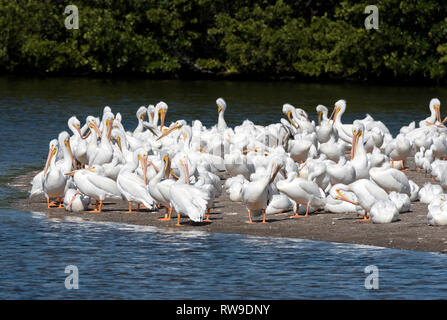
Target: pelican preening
(327, 165)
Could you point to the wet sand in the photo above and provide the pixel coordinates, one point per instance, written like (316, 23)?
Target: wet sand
(411, 232)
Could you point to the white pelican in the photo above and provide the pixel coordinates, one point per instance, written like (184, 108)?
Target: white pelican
(77, 140)
(359, 160)
(95, 185)
(367, 193)
(75, 201)
(302, 191)
(341, 172)
(141, 114)
(384, 211)
(437, 211)
(186, 199)
(131, 186)
(429, 191)
(401, 200)
(279, 203)
(255, 194)
(335, 205)
(398, 150)
(221, 107)
(390, 179)
(54, 180)
(435, 114)
(159, 189)
(322, 114)
(104, 151)
(344, 130)
(37, 182)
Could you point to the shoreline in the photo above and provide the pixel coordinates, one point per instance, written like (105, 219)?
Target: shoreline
(410, 232)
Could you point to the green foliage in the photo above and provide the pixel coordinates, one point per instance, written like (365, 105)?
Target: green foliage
(267, 38)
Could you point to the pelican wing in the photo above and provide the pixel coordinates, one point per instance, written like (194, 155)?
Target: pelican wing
(106, 184)
(133, 188)
(310, 187)
(189, 200)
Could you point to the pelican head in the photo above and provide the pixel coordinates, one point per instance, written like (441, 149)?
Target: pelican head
(322, 112)
(435, 108)
(289, 110)
(117, 135)
(301, 113)
(92, 124)
(108, 118)
(221, 105)
(357, 132)
(340, 106)
(64, 140)
(75, 125)
(162, 109)
(54, 145)
(141, 113)
(178, 125)
(106, 110)
(151, 112)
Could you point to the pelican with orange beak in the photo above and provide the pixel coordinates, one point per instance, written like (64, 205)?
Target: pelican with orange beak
(289, 111)
(131, 186)
(366, 191)
(174, 127)
(104, 152)
(77, 141)
(92, 183)
(221, 107)
(359, 160)
(54, 180)
(161, 108)
(435, 116)
(344, 130)
(186, 199)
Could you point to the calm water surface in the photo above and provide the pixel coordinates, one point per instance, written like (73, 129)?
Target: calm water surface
(121, 261)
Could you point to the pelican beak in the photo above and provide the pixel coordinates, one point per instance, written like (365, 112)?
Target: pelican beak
(275, 172)
(109, 124)
(219, 109)
(143, 161)
(150, 163)
(152, 115)
(118, 142)
(94, 126)
(291, 120)
(142, 117)
(342, 197)
(71, 173)
(320, 115)
(355, 140)
(78, 129)
(169, 131)
(334, 114)
(438, 112)
(86, 136)
(67, 144)
(162, 120)
(51, 154)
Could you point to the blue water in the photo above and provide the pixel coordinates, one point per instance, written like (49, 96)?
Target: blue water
(135, 262)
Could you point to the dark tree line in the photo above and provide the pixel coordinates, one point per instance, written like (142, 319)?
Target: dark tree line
(272, 39)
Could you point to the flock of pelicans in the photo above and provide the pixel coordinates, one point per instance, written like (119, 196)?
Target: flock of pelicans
(296, 164)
